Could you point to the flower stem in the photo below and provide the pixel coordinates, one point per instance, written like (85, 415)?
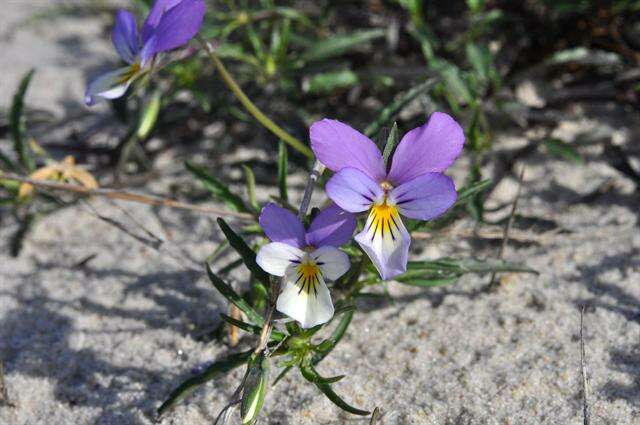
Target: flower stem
(315, 174)
(317, 171)
(251, 107)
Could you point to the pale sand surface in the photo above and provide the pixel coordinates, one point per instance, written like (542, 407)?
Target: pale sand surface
(105, 343)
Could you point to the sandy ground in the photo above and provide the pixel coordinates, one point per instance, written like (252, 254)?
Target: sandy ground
(105, 342)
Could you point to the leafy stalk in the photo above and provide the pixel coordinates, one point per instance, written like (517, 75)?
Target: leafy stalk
(252, 108)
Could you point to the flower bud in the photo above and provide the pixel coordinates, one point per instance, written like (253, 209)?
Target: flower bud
(255, 388)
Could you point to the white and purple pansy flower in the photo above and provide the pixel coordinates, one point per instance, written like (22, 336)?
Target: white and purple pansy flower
(413, 186)
(305, 258)
(170, 24)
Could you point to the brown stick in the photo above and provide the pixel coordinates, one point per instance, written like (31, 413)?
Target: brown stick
(125, 196)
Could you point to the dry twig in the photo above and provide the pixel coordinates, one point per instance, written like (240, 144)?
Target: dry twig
(126, 196)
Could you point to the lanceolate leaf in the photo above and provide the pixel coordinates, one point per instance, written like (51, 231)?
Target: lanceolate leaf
(247, 254)
(231, 295)
(310, 374)
(219, 190)
(190, 385)
(563, 150)
(329, 344)
(446, 271)
(471, 190)
(394, 107)
(251, 187)
(428, 282)
(18, 126)
(337, 45)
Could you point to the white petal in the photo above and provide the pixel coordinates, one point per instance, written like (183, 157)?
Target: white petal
(309, 305)
(275, 257)
(386, 242)
(110, 85)
(332, 262)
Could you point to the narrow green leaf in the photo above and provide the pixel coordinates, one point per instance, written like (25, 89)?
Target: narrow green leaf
(233, 297)
(427, 282)
(7, 162)
(246, 253)
(563, 150)
(17, 240)
(219, 190)
(282, 374)
(480, 59)
(17, 124)
(310, 374)
(231, 266)
(329, 344)
(149, 115)
(251, 187)
(390, 146)
(467, 192)
(456, 84)
(462, 266)
(248, 327)
(327, 82)
(218, 368)
(339, 44)
(282, 171)
(387, 113)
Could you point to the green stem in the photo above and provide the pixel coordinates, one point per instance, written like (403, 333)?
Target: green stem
(252, 108)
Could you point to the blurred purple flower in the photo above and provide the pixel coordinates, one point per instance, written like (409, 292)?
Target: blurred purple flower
(170, 24)
(305, 258)
(414, 186)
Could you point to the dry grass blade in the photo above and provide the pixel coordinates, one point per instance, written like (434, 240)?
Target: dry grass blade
(126, 196)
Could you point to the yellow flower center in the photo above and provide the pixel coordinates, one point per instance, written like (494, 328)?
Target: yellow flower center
(308, 277)
(132, 72)
(383, 221)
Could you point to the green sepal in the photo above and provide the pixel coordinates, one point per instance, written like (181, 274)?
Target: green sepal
(390, 146)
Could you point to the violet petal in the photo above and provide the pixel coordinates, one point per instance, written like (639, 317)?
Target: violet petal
(281, 225)
(430, 148)
(425, 197)
(333, 226)
(125, 36)
(353, 190)
(338, 146)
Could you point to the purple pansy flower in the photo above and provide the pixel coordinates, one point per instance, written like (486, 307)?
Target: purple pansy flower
(305, 258)
(413, 187)
(170, 24)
